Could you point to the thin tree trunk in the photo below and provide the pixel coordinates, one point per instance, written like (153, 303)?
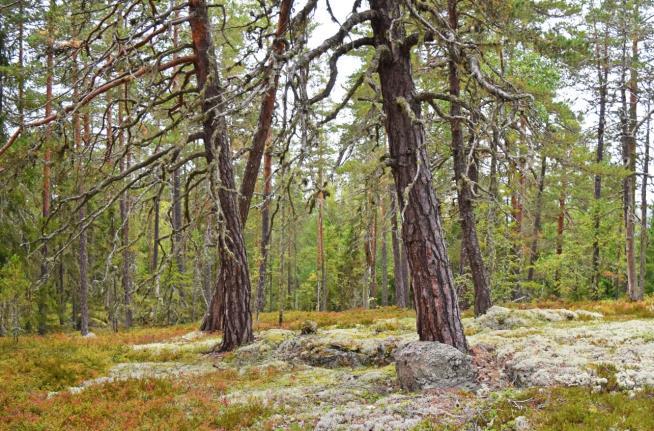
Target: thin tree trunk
(438, 317)
(463, 183)
(124, 204)
(154, 264)
(603, 77)
(560, 226)
(45, 209)
(21, 55)
(494, 199)
(83, 256)
(401, 284)
(233, 286)
(177, 223)
(628, 159)
(644, 230)
(207, 273)
(635, 289)
(533, 252)
(384, 254)
(515, 183)
(177, 219)
(266, 230)
(371, 257)
(282, 265)
(320, 252)
(61, 295)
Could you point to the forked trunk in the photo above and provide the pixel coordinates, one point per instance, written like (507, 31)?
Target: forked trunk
(213, 320)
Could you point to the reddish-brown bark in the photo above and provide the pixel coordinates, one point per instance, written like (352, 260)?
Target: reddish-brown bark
(438, 316)
(233, 286)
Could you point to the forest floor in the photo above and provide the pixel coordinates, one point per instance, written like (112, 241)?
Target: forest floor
(547, 366)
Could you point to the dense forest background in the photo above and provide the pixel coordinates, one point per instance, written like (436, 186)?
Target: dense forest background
(107, 202)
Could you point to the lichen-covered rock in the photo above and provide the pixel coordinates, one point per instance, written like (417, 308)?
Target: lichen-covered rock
(343, 347)
(569, 355)
(427, 364)
(261, 349)
(332, 352)
(497, 318)
(308, 327)
(397, 412)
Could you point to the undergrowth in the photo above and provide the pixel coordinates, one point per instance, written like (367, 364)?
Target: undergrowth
(340, 319)
(566, 409)
(612, 309)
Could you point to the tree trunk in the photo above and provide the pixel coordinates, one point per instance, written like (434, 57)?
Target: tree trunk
(266, 230)
(207, 270)
(21, 55)
(265, 113)
(177, 223)
(258, 145)
(320, 252)
(156, 208)
(124, 205)
(628, 183)
(371, 257)
(45, 209)
(83, 256)
(233, 286)
(634, 288)
(644, 231)
(516, 184)
(463, 183)
(384, 255)
(533, 252)
(603, 78)
(154, 263)
(61, 294)
(401, 282)
(282, 265)
(435, 298)
(560, 226)
(493, 190)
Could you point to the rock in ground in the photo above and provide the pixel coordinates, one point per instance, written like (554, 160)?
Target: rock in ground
(429, 364)
(498, 318)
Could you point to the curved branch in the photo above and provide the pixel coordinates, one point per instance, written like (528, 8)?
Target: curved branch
(90, 96)
(333, 69)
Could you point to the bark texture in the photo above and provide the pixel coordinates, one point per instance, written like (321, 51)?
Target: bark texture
(438, 317)
(233, 286)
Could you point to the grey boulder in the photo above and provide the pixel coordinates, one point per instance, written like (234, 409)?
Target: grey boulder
(429, 364)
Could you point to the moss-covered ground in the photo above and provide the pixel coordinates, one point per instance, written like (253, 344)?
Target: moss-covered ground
(37, 372)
